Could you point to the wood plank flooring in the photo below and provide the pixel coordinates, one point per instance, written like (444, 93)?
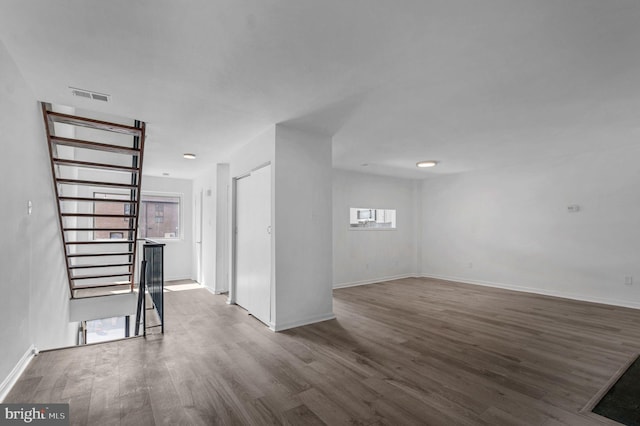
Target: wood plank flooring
(411, 351)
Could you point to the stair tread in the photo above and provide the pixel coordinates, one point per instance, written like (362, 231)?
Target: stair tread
(95, 183)
(123, 241)
(128, 253)
(96, 146)
(99, 200)
(109, 265)
(99, 229)
(92, 165)
(86, 277)
(94, 124)
(127, 216)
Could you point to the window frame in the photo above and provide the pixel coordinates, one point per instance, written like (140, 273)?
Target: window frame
(108, 193)
(180, 196)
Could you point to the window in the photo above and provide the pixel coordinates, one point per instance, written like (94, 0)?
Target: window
(111, 227)
(160, 216)
(103, 330)
(365, 218)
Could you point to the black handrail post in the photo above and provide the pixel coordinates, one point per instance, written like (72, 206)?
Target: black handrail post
(144, 303)
(141, 309)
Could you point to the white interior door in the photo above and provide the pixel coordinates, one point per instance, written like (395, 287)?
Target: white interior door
(253, 243)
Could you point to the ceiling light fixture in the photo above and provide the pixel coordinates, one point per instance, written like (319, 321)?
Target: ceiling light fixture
(425, 164)
(189, 156)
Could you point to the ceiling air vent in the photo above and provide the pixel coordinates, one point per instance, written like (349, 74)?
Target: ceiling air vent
(90, 95)
(98, 97)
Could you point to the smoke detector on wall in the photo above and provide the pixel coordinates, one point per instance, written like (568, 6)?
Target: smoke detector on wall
(88, 94)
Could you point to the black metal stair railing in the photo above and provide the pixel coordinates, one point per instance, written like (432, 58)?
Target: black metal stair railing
(151, 282)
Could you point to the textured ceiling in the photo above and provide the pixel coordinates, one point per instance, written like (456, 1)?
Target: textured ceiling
(472, 84)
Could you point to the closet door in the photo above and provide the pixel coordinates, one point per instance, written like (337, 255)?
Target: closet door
(253, 243)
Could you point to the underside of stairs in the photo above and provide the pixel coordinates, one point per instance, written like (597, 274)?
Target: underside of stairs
(97, 169)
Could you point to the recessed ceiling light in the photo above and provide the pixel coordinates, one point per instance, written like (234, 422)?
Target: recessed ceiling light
(189, 156)
(425, 164)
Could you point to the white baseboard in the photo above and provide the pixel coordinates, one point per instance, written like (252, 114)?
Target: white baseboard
(301, 322)
(169, 279)
(216, 292)
(15, 374)
(374, 280)
(178, 278)
(544, 292)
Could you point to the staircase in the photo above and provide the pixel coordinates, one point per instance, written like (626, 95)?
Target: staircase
(97, 168)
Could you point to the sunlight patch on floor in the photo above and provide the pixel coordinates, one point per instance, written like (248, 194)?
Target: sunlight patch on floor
(182, 287)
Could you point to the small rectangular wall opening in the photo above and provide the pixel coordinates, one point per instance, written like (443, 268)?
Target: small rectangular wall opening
(370, 218)
(106, 329)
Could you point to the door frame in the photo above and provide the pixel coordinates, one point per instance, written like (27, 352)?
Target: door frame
(199, 211)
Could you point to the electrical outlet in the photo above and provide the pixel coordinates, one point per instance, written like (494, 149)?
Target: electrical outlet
(628, 280)
(573, 208)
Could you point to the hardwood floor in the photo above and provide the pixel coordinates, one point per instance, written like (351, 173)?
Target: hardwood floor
(411, 351)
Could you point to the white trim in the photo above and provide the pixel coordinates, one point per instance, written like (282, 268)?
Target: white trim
(167, 279)
(179, 278)
(17, 371)
(181, 219)
(305, 321)
(355, 228)
(212, 291)
(375, 280)
(544, 292)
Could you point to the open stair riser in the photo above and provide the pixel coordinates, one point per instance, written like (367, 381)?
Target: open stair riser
(96, 167)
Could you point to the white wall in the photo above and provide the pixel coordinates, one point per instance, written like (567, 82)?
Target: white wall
(206, 185)
(510, 227)
(301, 215)
(115, 305)
(215, 187)
(178, 254)
(302, 228)
(365, 256)
(34, 306)
(257, 152)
